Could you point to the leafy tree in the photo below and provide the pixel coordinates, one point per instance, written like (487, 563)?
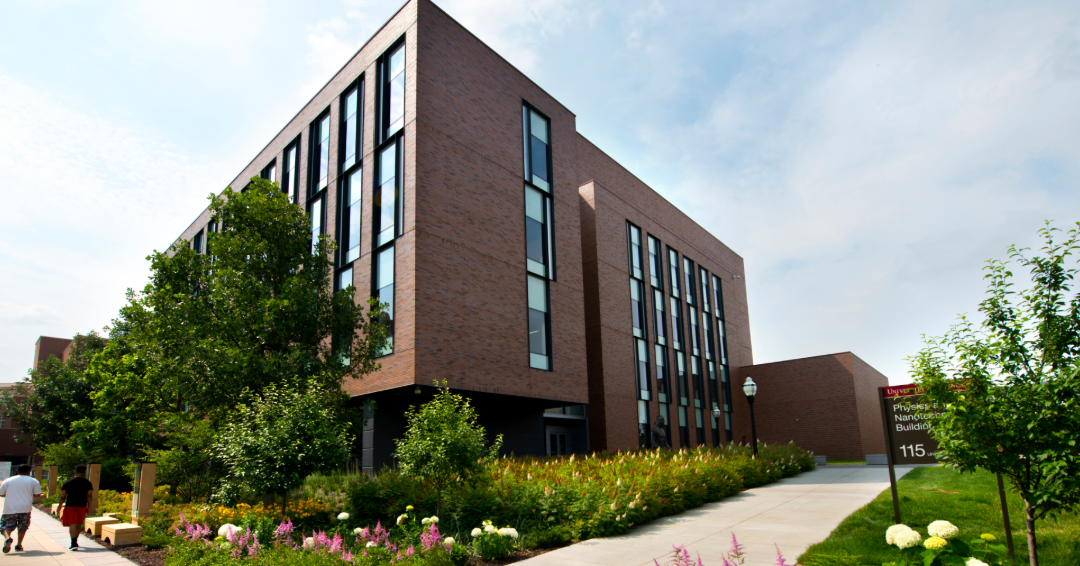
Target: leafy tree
(1017, 410)
(443, 442)
(187, 462)
(257, 309)
(54, 396)
(65, 456)
(274, 441)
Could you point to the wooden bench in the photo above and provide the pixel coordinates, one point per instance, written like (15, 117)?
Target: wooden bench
(93, 525)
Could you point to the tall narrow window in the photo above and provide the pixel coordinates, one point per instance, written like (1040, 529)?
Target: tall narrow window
(343, 344)
(392, 91)
(386, 195)
(197, 243)
(537, 149)
(676, 324)
(315, 211)
(536, 230)
(635, 251)
(290, 170)
(699, 399)
(683, 382)
(384, 290)
(691, 289)
(658, 317)
(705, 304)
(656, 264)
(666, 415)
(352, 126)
(718, 297)
(320, 153)
(673, 263)
(637, 307)
(706, 331)
(643, 424)
(270, 172)
(663, 385)
(641, 359)
(350, 212)
(539, 323)
(723, 342)
(714, 403)
(725, 384)
(695, 340)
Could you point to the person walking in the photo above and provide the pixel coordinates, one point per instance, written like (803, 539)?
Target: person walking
(75, 496)
(20, 493)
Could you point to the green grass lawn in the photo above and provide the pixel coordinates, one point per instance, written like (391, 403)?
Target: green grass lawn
(845, 462)
(969, 501)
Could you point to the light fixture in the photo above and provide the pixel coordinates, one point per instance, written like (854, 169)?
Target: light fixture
(717, 413)
(749, 388)
(416, 390)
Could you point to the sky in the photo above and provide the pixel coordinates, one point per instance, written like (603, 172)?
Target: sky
(864, 158)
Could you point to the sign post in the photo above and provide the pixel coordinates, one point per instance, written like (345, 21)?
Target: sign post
(907, 433)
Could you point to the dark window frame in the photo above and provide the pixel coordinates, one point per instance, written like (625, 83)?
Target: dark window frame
(549, 193)
(547, 321)
(673, 273)
(197, 242)
(265, 173)
(382, 92)
(344, 208)
(659, 283)
(398, 141)
(690, 281)
(290, 172)
(314, 167)
(357, 86)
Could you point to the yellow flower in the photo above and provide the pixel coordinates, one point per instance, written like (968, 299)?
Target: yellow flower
(935, 543)
(988, 537)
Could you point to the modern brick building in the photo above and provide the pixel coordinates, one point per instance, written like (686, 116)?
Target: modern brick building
(523, 265)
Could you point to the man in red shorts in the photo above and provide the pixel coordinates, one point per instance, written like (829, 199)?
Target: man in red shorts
(75, 495)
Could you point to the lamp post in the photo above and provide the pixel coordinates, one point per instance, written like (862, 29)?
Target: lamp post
(716, 413)
(750, 389)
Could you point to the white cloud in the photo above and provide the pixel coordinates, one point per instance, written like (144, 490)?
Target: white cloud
(86, 198)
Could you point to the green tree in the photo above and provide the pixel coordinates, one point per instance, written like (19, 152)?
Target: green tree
(257, 309)
(187, 463)
(65, 456)
(55, 395)
(1017, 408)
(443, 441)
(275, 440)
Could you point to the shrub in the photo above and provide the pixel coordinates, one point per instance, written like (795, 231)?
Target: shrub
(547, 538)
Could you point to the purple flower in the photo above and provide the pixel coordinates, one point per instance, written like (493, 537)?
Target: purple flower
(780, 558)
(430, 537)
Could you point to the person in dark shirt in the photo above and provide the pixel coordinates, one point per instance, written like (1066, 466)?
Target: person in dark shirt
(75, 495)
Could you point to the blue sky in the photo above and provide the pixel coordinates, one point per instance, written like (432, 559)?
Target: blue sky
(865, 159)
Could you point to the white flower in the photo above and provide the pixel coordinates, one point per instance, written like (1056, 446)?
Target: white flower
(890, 534)
(449, 540)
(975, 562)
(343, 517)
(434, 519)
(908, 539)
(225, 529)
(401, 519)
(425, 521)
(943, 529)
(370, 544)
(488, 528)
(508, 532)
(357, 531)
(308, 543)
(476, 532)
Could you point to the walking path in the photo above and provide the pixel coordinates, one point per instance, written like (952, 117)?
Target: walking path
(792, 514)
(46, 544)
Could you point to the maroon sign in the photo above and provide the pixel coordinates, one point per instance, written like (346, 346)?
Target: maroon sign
(906, 425)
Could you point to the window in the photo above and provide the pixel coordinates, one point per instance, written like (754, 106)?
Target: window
(320, 154)
(641, 359)
(691, 289)
(392, 91)
(384, 290)
(537, 233)
(387, 193)
(197, 243)
(643, 424)
(315, 211)
(537, 149)
(699, 401)
(352, 126)
(539, 211)
(706, 331)
(723, 342)
(682, 381)
(270, 172)
(637, 306)
(714, 403)
(718, 297)
(342, 345)
(695, 340)
(658, 318)
(290, 170)
(676, 324)
(635, 251)
(663, 385)
(673, 262)
(665, 414)
(539, 323)
(3, 422)
(350, 212)
(684, 430)
(705, 291)
(656, 264)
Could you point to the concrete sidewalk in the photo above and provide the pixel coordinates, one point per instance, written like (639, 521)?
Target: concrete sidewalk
(46, 544)
(792, 514)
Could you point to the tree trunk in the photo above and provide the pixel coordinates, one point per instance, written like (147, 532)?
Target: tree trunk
(284, 499)
(1033, 553)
